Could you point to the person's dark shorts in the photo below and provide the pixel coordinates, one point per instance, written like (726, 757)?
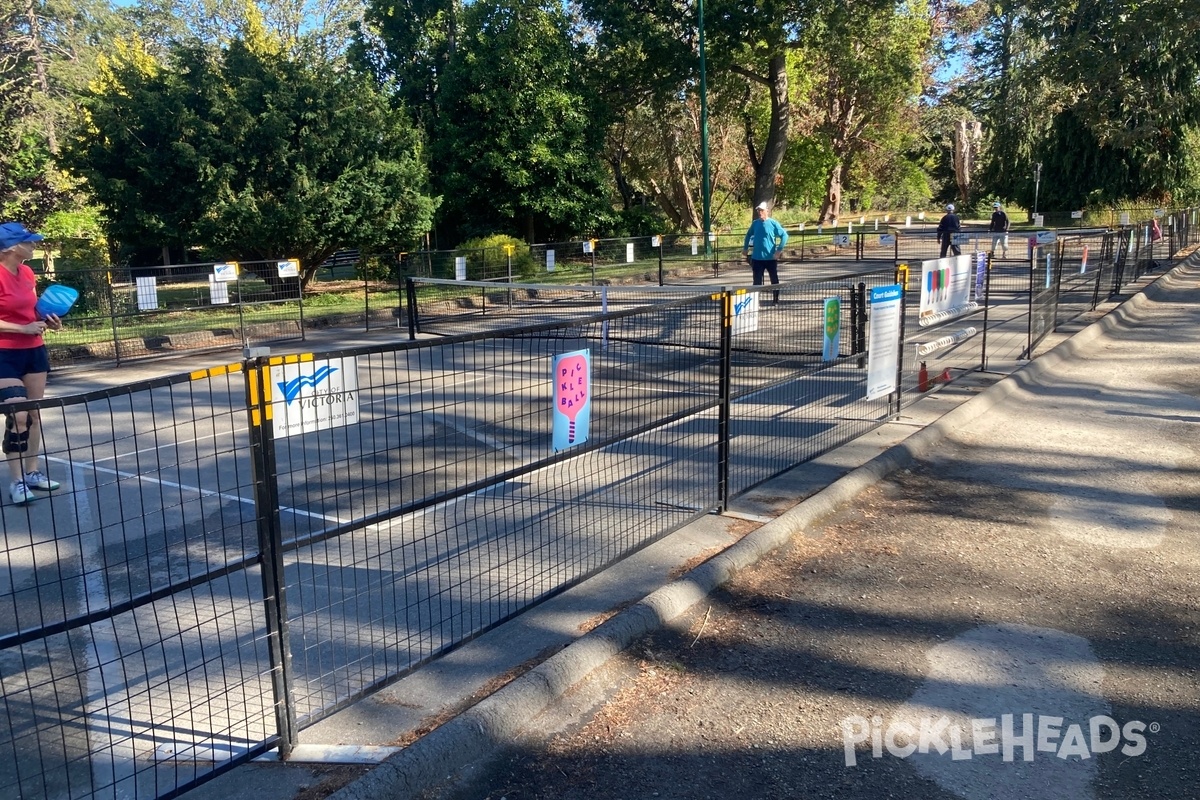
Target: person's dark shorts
(19, 363)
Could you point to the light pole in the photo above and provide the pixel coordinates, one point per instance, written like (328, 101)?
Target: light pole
(704, 176)
(1037, 184)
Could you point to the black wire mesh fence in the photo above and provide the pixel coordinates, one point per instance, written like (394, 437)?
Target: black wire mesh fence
(238, 552)
(125, 314)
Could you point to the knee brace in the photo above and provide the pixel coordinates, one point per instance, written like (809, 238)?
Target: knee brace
(16, 434)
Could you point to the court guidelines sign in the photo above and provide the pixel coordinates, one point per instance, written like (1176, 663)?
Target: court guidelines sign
(314, 395)
(883, 340)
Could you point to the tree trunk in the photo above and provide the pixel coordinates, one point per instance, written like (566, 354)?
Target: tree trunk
(767, 170)
(831, 206)
(667, 205)
(967, 136)
(39, 63)
(682, 195)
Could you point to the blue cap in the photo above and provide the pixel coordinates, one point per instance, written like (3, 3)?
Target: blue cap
(13, 233)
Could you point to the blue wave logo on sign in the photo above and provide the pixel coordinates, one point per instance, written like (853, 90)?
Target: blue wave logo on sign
(291, 389)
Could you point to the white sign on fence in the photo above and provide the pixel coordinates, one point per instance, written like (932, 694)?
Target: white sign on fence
(1076, 215)
(587, 246)
(460, 268)
(887, 239)
(226, 272)
(549, 261)
(695, 245)
(314, 395)
(945, 285)
(288, 269)
(745, 313)
(842, 240)
(218, 291)
(656, 241)
(147, 294)
(629, 252)
(1124, 218)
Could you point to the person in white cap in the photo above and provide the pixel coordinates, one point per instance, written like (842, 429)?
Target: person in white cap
(24, 361)
(763, 244)
(947, 227)
(999, 228)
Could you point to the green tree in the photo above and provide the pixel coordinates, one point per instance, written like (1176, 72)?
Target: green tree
(250, 153)
(48, 51)
(1102, 93)
(870, 62)
(407, 44)
(516, 148)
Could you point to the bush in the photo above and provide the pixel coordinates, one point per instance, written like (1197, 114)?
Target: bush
(487, 257)
(640, 221)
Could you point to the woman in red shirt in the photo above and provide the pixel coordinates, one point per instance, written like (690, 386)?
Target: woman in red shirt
(24, 362)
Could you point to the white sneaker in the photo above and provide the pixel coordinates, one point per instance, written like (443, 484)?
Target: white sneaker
(38, 480)
(20, 493)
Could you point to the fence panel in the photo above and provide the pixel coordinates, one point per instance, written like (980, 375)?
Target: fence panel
(788, 403)
(444, 510)
(133, 659)
(449, 307)
(203, 583)
(129, 314)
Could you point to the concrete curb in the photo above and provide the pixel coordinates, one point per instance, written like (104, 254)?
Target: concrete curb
(500, 719)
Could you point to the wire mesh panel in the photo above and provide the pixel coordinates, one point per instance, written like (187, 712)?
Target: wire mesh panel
(444, 508)
(792, 400)
(1085, 268)
(132, 652)
(449, 307)
(128, 314)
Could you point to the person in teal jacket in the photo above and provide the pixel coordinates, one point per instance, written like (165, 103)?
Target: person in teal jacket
(764, 242)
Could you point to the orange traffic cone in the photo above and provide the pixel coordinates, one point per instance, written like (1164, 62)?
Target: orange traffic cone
(923, 378)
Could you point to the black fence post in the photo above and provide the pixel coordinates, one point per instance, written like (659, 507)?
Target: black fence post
(270, 547)
(237, 285)
(410, 296)
(401, 276)
(300, 298)
(987, 296)
(1058, 270)
(725, 391)
(899, 393)
(112, 318)
(660, 260)
(854, 312)
(1106, 250)
(1033, 260)
(858, 322)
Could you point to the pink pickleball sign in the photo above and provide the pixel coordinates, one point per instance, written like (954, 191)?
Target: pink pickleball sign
(572, 398)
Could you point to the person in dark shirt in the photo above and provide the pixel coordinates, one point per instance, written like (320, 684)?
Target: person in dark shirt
(999, 228)
(947, 227)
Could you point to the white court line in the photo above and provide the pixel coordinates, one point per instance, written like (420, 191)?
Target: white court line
(111, 752)
(196, 489)
(155, 449)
